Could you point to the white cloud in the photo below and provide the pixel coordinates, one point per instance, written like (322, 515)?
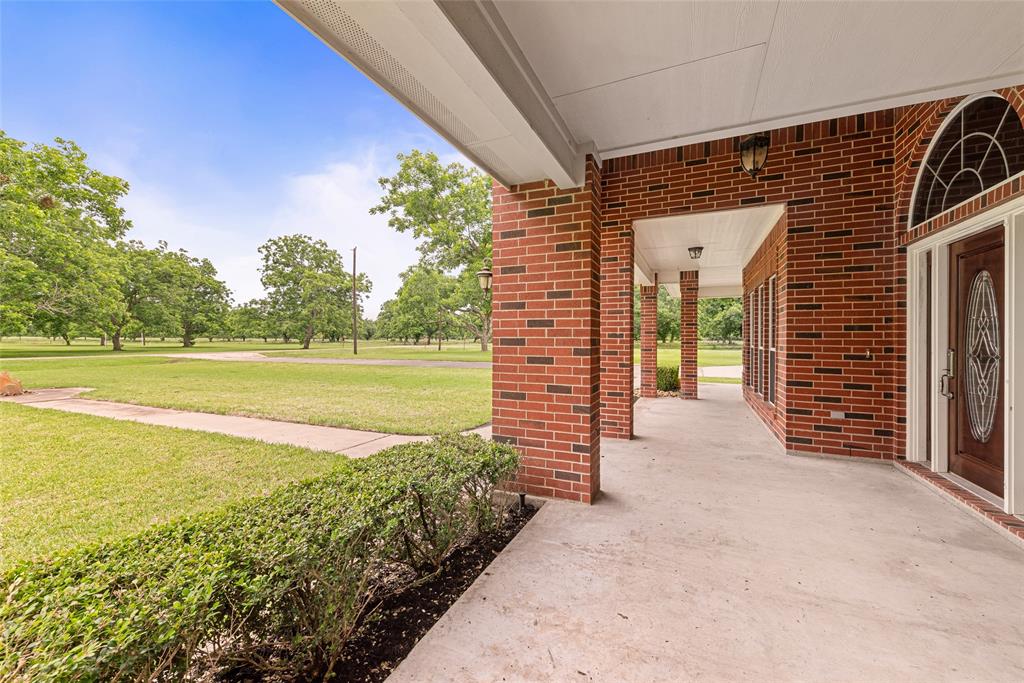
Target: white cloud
(331, 203)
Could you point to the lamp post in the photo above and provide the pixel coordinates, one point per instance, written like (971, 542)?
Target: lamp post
(355, 308)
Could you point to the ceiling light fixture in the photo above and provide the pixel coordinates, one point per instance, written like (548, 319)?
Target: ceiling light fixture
(754, 153)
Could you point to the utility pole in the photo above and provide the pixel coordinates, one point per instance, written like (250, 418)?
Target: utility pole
(355, 308)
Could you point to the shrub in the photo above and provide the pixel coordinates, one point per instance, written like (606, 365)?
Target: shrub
(267, 586)
(668, 378)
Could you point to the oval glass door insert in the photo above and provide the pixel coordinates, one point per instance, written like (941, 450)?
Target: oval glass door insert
(983, 359)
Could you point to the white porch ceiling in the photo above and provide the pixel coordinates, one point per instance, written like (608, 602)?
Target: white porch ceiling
(729, 238)
(526, 89)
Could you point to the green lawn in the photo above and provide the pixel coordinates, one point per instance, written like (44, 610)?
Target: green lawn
(403, 400)
(449, 351)
(11, 347)
(68, 479)
(668, 355)
(720, 380)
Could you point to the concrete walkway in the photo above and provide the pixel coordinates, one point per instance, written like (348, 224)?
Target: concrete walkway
(351, 442)
(714, 556)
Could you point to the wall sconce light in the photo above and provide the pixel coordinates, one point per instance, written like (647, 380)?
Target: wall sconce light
(695, 252)
(753, 153)
(484, 277)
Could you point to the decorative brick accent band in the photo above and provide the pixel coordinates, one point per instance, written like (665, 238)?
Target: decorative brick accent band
(546, 325)
(689, 291)
(649, 341)
(996, 518)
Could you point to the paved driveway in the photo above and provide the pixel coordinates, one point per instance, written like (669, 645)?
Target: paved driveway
(714, 556)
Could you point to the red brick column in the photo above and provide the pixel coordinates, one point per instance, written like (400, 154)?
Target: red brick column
(648, 340)
(689, 285)
(617, 330)
(546, 329)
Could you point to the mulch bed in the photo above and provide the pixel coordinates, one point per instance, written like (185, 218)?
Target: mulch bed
(400, 620)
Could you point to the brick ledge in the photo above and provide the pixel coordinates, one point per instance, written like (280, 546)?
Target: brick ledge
(1008, 525)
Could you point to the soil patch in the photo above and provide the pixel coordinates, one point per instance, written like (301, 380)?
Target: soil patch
(400, 620)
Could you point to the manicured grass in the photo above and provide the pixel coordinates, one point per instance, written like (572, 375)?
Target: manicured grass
(668, 354)
(11, 347)
(720, 380)
(449, 351)
(68, 479)
(402, 400)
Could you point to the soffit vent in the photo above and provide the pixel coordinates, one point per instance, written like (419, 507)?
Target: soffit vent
(491, 160)
(359, 47)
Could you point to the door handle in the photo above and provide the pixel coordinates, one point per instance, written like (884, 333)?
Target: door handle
(948, 374)
(944, 385)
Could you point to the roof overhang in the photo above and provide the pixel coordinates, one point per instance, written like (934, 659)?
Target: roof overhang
(729, 238)
(527, 89)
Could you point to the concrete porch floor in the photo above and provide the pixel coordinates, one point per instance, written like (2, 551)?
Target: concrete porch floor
(712, 555)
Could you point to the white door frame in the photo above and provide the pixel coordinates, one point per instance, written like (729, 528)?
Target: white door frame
(1011, 216)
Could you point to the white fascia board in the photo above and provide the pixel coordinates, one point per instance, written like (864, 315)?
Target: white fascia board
(538, 125)
(446, 85)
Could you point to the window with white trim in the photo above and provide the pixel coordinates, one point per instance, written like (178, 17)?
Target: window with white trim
(980, 146)
(772, 323)
(751, 330)
(761, 307)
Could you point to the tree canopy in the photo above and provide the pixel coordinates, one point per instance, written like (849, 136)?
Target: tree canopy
(448, 209)
(59, 220)
(308, 288)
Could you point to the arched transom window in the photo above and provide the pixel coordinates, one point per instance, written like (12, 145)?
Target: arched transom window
(980, 146)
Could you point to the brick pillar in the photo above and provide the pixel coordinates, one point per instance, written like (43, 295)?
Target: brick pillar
(648, 340)
(689, 286)
(617, 331)
(546, 366)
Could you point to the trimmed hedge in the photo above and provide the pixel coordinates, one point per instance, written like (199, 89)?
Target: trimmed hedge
(268, 586)
(668, 378)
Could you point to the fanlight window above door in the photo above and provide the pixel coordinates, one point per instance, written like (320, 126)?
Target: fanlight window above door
(981, 146)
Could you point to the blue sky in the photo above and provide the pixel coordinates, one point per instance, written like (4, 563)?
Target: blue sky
(231, 122)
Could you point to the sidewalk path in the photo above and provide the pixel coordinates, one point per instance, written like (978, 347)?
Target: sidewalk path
(351, 442)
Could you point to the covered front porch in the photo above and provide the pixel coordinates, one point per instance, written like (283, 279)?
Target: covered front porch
(711, 554)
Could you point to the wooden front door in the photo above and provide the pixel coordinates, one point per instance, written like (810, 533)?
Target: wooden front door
(977, 324)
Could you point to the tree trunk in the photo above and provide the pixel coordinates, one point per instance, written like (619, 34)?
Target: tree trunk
(67, 340)
(186, 337)
(103, 339)
(308, 337)
(116, 339)
(143, 337)
(485, 337)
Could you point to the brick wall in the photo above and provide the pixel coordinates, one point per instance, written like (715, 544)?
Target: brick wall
(838, 253)
(616, 331)
(689, 290)
(836, 179)
(769, 259)
(648, 340)
(546, 326)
